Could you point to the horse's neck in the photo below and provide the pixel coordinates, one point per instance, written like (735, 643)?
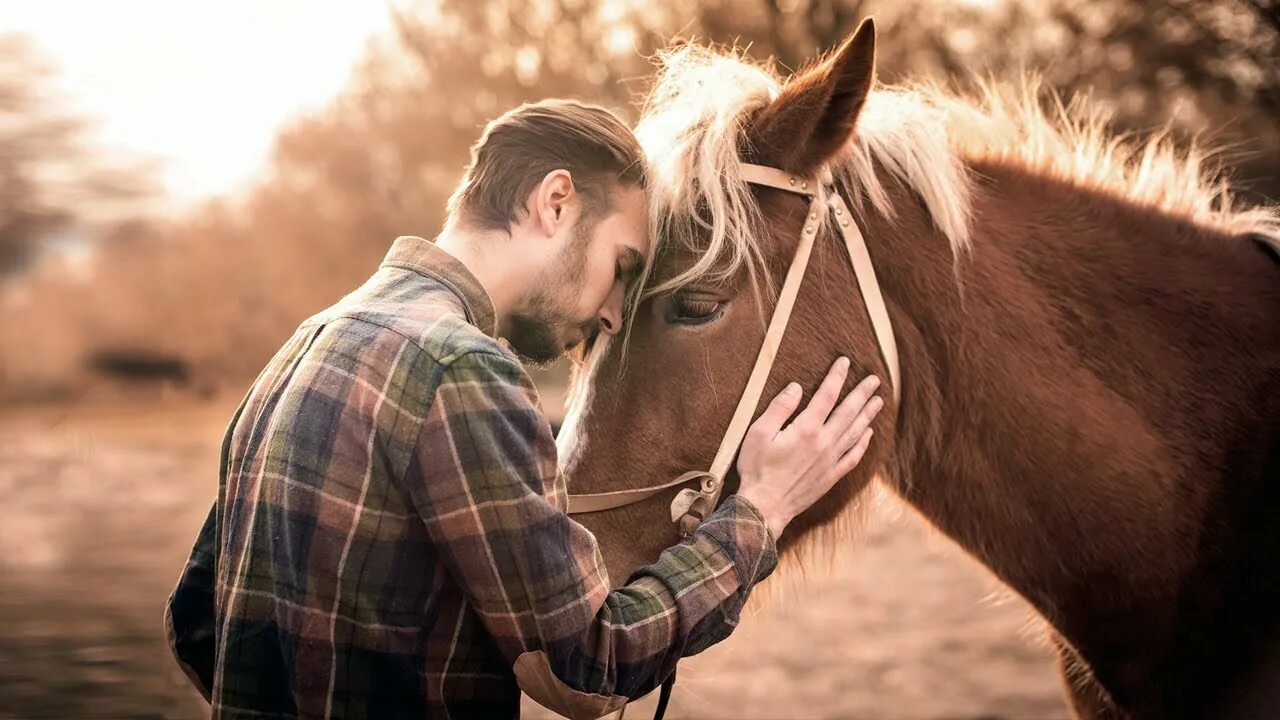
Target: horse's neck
(1073, 408)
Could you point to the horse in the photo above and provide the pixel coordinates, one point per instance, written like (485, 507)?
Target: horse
(1089, 337)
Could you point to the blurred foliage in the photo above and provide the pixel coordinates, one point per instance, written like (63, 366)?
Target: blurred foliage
(221, 287)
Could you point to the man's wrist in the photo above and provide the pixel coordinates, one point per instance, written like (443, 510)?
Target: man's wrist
(775, 519)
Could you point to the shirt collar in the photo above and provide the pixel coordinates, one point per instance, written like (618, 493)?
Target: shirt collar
(414, 253)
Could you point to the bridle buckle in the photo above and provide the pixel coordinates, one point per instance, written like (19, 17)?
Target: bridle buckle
(690, 506)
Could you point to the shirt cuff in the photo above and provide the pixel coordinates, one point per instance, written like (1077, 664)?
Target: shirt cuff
(741, 530)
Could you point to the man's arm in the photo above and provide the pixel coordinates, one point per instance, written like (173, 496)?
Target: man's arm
(189, 616)
(483, 478)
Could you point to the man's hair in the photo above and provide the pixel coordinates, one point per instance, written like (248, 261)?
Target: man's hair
(518, 149)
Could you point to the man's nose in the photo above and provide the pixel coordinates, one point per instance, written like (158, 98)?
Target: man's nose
(611, 311)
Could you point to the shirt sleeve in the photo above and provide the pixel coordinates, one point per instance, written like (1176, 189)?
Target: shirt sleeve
(484, 480)
(189, 613)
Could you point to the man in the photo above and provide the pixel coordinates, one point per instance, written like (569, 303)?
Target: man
(389, 537)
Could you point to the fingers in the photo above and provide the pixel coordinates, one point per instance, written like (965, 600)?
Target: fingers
(855, 432)
(825, 398)
(779, 410)
(850, 459)
(857, 399)
(850, 433)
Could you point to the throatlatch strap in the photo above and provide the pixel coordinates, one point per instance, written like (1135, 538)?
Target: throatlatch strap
(865, 271)
(855, 243)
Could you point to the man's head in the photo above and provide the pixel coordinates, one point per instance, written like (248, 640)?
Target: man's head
(565, 183)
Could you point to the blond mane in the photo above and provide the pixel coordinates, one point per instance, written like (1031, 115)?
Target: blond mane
(923, 136)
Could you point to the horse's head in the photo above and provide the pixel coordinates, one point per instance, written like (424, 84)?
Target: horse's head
(655, 403)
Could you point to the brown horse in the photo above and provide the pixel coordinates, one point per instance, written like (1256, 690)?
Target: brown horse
(1089, 334)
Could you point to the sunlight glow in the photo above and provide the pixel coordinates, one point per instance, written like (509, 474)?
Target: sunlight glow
(201, 87)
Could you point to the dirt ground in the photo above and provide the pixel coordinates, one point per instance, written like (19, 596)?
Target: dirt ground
(99, 503)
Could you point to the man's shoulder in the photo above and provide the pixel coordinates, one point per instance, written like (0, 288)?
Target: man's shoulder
(443, 342)
(356, 369)
(401, 307)
(452, 340)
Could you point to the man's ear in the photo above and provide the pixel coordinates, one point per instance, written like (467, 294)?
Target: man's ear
(552, 199)
(814, 115)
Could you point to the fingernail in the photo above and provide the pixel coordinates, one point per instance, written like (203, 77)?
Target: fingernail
(792, 389)
(875, 379)
(842, 363)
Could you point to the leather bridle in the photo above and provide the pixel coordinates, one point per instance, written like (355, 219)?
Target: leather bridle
(691, 505)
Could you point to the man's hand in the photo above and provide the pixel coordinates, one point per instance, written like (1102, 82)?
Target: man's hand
(784, 471)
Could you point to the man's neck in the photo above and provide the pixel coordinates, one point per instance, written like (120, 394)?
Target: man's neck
(487, 255)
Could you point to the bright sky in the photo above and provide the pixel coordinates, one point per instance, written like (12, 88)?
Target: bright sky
(201, 86)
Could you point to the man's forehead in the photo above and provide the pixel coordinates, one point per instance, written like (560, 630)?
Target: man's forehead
(633, 213)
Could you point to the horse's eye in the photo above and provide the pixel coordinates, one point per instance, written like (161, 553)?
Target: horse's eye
(688, 309)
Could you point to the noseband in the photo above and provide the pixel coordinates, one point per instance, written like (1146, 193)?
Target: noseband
(691, 505)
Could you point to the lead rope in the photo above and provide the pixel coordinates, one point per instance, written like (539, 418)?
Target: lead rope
(664, 697)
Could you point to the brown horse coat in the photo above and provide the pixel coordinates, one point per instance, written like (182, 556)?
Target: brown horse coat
(1091, 368)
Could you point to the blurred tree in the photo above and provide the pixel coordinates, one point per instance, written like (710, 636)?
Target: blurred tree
(51, 181)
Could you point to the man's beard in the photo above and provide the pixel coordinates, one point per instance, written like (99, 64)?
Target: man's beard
(534, 338)
(534, 331)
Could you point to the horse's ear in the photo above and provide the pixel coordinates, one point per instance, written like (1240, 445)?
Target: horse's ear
(813, 117)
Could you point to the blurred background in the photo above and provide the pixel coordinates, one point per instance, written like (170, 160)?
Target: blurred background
(182, 183)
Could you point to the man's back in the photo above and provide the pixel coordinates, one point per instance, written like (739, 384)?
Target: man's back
(332, 589)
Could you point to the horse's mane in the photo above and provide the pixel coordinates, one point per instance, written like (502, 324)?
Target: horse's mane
(922, 135)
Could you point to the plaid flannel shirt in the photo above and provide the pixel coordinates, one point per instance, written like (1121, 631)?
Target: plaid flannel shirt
(389, 537)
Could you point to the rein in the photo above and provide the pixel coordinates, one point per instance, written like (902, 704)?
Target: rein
(690, 506)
